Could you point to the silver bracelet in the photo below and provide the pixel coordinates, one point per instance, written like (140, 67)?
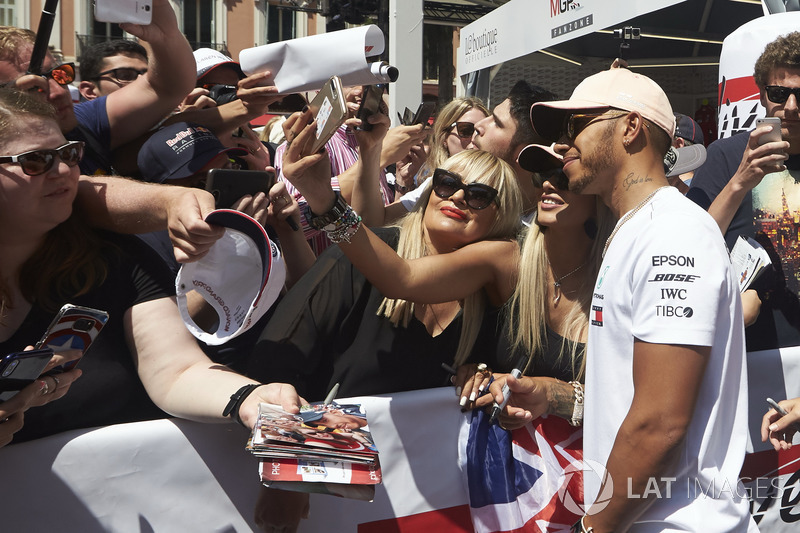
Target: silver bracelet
(577, 410)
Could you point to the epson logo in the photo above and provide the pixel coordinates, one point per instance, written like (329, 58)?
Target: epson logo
(674, 311)
(673, 260)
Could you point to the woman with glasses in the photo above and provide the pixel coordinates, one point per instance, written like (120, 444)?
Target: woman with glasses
(144, 363)
(453, 130)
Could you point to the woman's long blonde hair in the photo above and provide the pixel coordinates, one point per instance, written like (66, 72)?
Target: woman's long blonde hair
(449, 114)
(69, 262)
(527, 309)
(474, 166)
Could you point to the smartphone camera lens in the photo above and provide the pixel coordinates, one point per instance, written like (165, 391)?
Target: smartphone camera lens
(7, 372)
(83, 324)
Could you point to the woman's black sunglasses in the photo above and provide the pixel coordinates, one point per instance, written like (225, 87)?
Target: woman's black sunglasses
(465, 130)
(476, 195)
(555, 176)
(38, 162)
(778, 94)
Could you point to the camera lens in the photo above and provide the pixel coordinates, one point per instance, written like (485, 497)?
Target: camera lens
(222, 94)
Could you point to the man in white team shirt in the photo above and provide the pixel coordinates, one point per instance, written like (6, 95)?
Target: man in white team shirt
(666, 388)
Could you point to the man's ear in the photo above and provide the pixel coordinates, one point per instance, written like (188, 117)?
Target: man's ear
(88, 90)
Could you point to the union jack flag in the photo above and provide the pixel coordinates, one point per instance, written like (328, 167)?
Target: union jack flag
(528, 480)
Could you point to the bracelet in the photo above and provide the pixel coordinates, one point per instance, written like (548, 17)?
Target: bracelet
(344, 228)
(236, 401)
(320, 222)
(577, 411)
(402, 189)
(578, 527)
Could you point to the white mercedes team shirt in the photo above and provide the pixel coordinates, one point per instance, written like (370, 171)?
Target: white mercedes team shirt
(666, 279)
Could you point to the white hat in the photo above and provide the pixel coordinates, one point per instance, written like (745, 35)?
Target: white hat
(208, 59)
(240, 277)
(678, 161)
(538, 158)
(618, 88)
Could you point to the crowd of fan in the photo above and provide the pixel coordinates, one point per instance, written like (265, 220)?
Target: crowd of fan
(489, 230)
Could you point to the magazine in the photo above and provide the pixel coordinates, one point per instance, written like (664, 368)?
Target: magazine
(748, 259)
(314, 451)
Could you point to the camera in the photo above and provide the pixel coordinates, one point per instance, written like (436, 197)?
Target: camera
(222, 94)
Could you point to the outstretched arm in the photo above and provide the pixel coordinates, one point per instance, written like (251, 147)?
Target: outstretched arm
(483, 264)
(171, 74)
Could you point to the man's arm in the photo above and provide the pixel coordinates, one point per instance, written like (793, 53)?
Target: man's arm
(757, 162)
(666, 380)
(128, 206)
(171, 74)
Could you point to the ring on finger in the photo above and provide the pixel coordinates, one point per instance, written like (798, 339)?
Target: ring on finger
(57, 381)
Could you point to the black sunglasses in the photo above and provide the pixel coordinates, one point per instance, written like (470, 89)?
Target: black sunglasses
(778, 94)
(125, 74)
(575, 123)
(38, 162)
(463, 129)
(476, 195)
(555, 176)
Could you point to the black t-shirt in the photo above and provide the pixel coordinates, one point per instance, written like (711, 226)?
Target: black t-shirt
(109, 391)
(326, 331)
(548, 363)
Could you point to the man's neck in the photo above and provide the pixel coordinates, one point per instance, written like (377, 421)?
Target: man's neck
(633, 185)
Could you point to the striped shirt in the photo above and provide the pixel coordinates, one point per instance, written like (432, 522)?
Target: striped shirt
(342, 150)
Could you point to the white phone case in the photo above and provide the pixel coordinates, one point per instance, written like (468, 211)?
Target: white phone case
(118, 11)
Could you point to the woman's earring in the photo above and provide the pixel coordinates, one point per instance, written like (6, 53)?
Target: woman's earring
(626, 141)
(590, 227)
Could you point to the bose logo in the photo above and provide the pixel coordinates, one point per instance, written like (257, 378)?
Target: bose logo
(685, 278)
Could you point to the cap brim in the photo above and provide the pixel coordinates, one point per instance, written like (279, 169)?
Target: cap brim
(538, 158)
(684, 159)
(548, 117)
(233, 64)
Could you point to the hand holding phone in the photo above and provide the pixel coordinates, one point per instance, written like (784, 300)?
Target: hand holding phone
(329, 110)
(371, 99)
(74, 327)
(770, 136)
(120, 11)
(20, 369)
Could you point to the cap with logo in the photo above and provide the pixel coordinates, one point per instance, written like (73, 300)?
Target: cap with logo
(615, 88)
(179, 151)
(240, 277)
(686, 128)
(208, 59)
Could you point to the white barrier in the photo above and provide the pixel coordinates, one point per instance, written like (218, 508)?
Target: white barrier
(175, 476)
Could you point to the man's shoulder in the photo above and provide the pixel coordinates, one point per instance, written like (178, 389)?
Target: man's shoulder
(90, 107)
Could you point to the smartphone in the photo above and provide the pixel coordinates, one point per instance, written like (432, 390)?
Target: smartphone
(424, 113)
(371, 98)
(329, 110)
(20, 369)
(117, 11)
(74, 327)
(229, 185)
(772, 136)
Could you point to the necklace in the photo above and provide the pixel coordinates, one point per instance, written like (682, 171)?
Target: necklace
(629, 215)
(557, 281)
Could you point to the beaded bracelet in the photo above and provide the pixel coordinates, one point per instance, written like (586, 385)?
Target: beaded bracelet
(344, 228)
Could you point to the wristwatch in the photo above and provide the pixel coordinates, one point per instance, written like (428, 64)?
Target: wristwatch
(319, 222)
(402, 189)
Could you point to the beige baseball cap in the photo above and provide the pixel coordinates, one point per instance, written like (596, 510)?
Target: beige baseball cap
(617, 88)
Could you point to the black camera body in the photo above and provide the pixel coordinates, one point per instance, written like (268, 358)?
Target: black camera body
(222, 94)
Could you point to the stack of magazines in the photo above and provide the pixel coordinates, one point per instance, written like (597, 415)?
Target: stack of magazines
(326, 449)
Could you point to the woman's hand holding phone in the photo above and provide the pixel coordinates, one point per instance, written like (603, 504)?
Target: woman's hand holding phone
(308, 171)
(42, 391)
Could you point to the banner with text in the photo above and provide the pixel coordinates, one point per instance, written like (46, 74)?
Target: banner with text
(521, 27)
